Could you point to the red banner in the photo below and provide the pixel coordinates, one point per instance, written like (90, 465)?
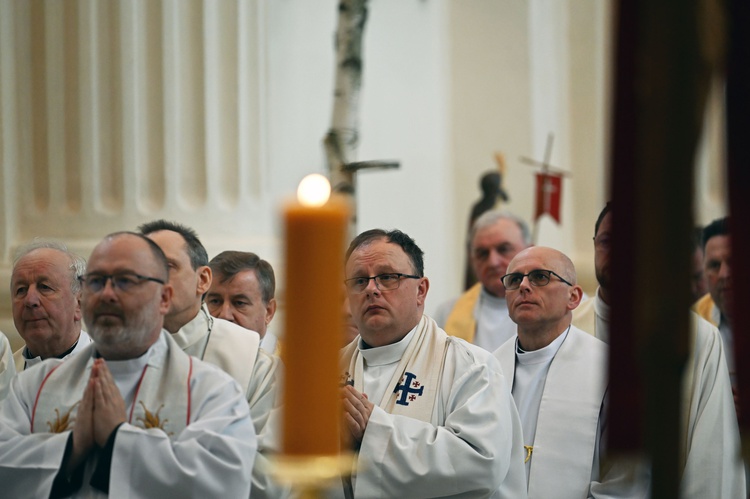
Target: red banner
(548, 193)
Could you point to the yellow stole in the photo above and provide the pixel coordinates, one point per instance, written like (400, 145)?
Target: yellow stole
(461, 322)
(704, 307)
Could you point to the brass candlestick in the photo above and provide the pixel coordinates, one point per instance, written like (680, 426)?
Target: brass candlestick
(311, 476)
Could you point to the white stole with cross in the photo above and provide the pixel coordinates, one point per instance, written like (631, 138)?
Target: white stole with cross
(414, 386)
(161, 401)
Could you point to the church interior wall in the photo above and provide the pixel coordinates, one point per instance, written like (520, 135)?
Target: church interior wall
(209, 113)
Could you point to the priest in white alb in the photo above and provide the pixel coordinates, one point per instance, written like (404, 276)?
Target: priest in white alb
(558, 375)
(131, 415)
(46, 302)
(227, 345)
(710, 462)
(429, 415)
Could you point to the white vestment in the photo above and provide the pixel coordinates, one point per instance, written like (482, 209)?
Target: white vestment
(493, 323)
(7, 366)
(205, 449)
(710, 437)
(237, 351)
(470, 446)
(568, 427)
(23, 361)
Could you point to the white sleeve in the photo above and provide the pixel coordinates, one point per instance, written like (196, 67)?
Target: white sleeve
(212, 457)
(28, 463)
(7, 366)
(263, 399)
(713, 466)
(475, 453)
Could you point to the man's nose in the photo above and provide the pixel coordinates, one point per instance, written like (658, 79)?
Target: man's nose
(108, 292)
(32, 297)
(495, 258)
(226, 312)
(372, 287)
(725, 271)
(525, 284)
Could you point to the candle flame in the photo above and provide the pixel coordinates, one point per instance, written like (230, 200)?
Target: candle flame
(314, 190)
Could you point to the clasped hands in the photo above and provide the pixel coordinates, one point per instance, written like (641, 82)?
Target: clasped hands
(101, 410)
(357, 410)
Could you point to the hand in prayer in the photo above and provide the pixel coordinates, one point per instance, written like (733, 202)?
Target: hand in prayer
(357, 410)
(109, 407)
(83, 430)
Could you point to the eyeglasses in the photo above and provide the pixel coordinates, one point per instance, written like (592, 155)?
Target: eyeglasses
(537, 278)
(382, 281)
(124, 282)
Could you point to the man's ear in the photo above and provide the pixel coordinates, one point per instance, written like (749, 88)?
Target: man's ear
(165, 300)
(270, 310)
(77, 311)
(204, 280)
(422, 288)
(576, 294)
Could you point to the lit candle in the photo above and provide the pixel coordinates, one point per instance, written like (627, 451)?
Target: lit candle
(315, 231)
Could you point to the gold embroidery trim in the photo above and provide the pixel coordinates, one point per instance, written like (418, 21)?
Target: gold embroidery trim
(152, 420)
(62, 422)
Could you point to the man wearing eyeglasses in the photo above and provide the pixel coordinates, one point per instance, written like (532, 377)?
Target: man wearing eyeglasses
(45, 296)
(558, 375)
(227, 345)
(429, 415)
(131, 415)
(709, 461)
(480, 315)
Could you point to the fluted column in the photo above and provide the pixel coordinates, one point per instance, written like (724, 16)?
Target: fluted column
(113, 113)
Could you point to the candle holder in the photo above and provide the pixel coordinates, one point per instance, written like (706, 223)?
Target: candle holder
(311, 476)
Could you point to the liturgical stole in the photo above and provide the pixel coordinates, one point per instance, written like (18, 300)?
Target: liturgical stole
(162, 398)
(416, 381)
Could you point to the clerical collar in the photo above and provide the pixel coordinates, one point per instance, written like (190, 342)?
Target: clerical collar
(544, 354)
(387, 354)
(28, 355)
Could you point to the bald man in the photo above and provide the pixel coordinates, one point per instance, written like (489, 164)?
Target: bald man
(558, 374)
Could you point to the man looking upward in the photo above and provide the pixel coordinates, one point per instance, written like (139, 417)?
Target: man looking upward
(558, 375)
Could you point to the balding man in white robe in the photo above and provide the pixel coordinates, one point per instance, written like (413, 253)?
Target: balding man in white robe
(558, 374)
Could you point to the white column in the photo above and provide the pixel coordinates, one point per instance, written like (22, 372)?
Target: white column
(116, 113)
